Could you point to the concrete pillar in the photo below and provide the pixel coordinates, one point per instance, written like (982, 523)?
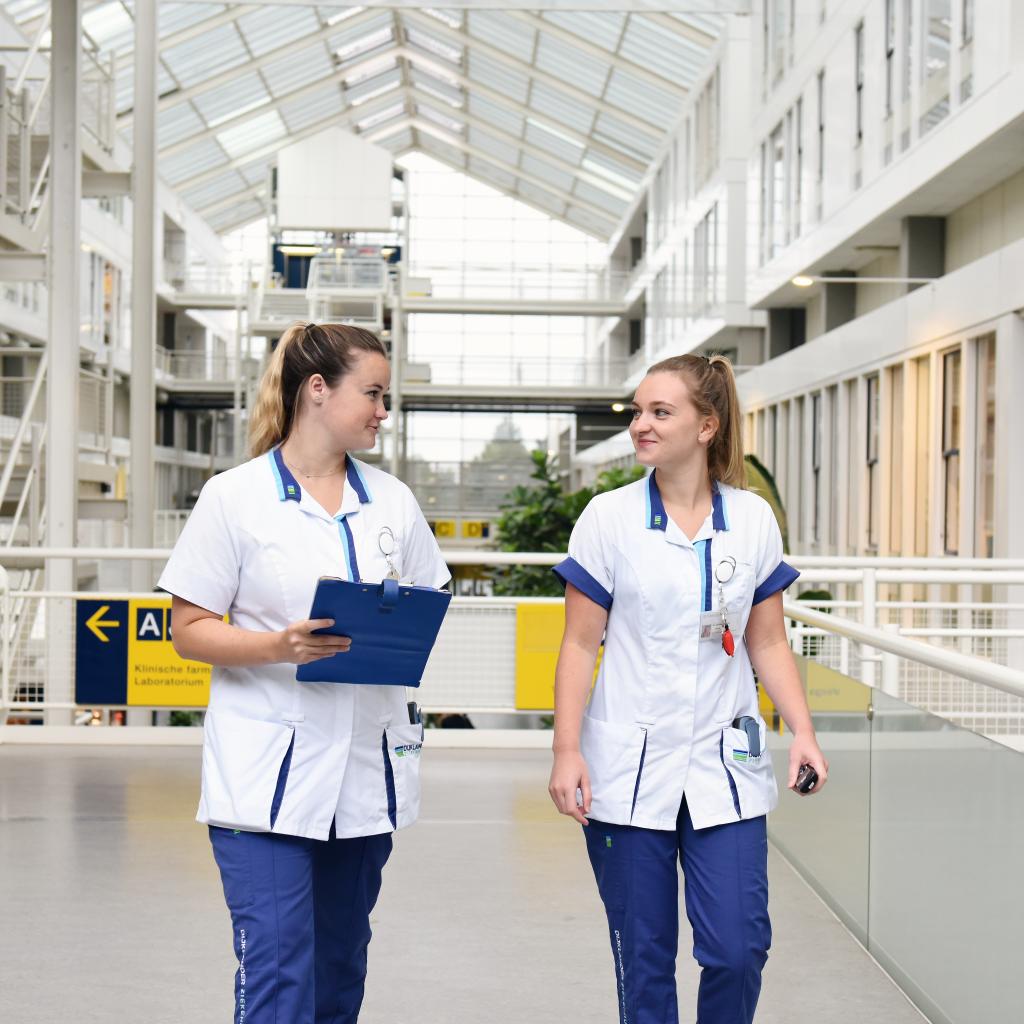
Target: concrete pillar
(142, 414)
(397, 358)
(840, 301)
(64, 283)
(922, 248)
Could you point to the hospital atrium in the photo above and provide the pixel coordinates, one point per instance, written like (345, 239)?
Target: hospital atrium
(530, 205)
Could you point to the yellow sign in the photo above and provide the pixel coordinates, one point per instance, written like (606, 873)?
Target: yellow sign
(539, 629)
(96, 624)
(157, 674)
(475, 529)
(444, 527)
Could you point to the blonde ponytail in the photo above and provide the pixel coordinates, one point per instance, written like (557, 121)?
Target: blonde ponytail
(712, 387)
(303, 350)
(268, 423)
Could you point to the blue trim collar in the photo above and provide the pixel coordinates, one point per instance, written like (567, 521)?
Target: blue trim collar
(288, 488)
(657, 518)
(356, 481)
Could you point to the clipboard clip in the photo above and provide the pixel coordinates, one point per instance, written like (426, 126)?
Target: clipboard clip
(389, 594)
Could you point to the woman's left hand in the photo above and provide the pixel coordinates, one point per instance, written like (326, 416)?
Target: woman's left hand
(805, 750)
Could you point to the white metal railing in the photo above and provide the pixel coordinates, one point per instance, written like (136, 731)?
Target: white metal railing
(475, 370)
(201, 279)
(28, 416)
(876, 653)
(25, 118)
(501, 281)
(329, 275)
(204, 366)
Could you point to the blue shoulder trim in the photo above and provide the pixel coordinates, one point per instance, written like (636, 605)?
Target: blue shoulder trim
(779, 578)
(570, 571)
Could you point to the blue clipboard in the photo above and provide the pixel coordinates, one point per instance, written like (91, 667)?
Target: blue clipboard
(393, 630)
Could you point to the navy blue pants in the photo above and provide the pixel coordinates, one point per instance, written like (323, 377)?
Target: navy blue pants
(725, 869)
(300, 913)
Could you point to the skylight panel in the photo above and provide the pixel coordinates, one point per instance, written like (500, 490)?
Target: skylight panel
(306, 110)
(598, 197)
(603, 28)
(553, 142)
(508, 81)
(381, 116)
(220, 48)
(432, 87)
(367, 90)
(109, 24)
(542, 169)
(502, 151)
(484, 110)
(572, 65)
(244, 93)
(252, 134)
(450, 53)
(498, 29)
(288, 73)
(339, 16)
(453, 19)
(202, 156)
(630, 93)
(561, 108)
(385, 62)
(267, 28)
(617, 174)
(363, 44)
(449, 124)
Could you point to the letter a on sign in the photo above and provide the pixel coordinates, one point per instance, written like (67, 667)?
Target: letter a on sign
(151, 626)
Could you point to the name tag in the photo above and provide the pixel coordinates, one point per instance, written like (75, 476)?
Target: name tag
(711, 625)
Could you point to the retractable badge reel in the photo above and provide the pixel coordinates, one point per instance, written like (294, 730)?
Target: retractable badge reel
(723, 573)
(386, 543)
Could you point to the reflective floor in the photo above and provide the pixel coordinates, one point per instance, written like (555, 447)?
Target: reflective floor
(112, 911)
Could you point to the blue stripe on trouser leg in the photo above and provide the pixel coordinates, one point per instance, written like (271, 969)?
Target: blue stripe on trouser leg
(277, 888)
(346, 878)
(637, 878)
(726, 873)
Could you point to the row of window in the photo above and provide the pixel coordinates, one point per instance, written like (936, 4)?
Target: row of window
(782, 164)
(689, 164)
(889, 431)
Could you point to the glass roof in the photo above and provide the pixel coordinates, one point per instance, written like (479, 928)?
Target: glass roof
(562, 109)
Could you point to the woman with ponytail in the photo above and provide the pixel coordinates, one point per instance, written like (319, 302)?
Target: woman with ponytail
(681, 576)
(303, 783)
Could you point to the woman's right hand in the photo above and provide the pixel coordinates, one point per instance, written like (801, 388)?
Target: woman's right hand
(569, 774)
(298, 645)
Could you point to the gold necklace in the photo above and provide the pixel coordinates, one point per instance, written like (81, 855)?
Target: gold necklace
(313, 476)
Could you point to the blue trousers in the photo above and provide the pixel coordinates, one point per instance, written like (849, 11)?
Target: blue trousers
(725, 869)
(300, 913)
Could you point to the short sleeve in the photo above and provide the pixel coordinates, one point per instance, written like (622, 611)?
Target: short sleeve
(205, 564)
(421, 558)
(773, 573)
(589, 567)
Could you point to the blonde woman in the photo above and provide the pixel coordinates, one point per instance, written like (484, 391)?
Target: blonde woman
(303, 783)
(682, 575)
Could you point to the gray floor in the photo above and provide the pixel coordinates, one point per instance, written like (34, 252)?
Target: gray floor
(112, 910)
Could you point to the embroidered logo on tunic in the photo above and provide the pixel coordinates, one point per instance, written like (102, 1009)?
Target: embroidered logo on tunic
(291, 488)
(740, 755)
(657, 520)
(408, 749)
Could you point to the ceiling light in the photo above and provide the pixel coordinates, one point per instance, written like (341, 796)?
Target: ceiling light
(803, 281)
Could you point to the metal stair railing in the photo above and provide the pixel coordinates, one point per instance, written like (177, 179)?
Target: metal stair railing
(24, 425)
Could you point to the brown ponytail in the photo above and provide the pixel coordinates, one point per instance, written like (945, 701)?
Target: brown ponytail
(302, 351)
(712, 389)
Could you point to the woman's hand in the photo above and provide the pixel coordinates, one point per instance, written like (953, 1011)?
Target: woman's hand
(298, 645)
(805, 750)
(569, 774)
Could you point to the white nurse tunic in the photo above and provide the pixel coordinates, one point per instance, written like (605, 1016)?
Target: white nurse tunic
(659, 722)
(253, 548)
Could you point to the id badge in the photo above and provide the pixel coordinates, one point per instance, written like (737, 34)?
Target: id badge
(712, 626)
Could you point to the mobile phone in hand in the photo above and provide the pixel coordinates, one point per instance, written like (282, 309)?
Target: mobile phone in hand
(806, 779)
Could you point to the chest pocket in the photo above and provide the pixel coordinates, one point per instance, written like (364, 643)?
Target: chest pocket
(738, 592)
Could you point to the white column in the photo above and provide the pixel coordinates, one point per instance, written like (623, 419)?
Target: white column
(143, 410)
(397, 358)
(64, 283)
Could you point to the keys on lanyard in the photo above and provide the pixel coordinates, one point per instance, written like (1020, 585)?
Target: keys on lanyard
(724, 572)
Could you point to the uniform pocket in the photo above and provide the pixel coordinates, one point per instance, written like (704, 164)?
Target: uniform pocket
(242, 759)
(403, 748)
(614, 755)
(751, 778)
